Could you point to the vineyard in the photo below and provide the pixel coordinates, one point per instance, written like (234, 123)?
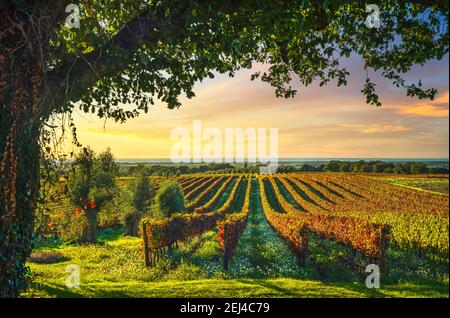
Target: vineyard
(300, 227)
(366, 216)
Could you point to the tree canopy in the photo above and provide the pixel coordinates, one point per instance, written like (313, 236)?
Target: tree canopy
(133, 52)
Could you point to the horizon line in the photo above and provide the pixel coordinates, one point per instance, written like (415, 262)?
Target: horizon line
(289, 158)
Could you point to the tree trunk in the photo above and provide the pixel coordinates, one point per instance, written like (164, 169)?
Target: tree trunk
(90, 231)
(21, 91)
(131, 225)
(19, 180)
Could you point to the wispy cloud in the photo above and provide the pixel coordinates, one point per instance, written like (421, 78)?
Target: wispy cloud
(376, 128)
(435, 108)
(319, 122)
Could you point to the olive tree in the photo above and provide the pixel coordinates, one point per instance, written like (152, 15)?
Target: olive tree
(91, 185)
(143, 193)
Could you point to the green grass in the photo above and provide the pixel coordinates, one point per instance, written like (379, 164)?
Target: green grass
(261, 253)
(288, 196)
(263, 266)
(115, 268)
(226, 193)
(216, 288)
(437, 185)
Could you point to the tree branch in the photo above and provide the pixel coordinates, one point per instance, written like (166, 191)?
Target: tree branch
(71, 80)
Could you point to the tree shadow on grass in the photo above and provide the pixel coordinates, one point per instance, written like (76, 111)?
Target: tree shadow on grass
(110, 234)
(340, 286)
(429, 289)
(272, 286)
(60, 291)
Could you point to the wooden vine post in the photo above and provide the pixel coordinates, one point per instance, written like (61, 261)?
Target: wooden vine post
(384, 241)
(303, 253)
(146, 249)
(225, 246)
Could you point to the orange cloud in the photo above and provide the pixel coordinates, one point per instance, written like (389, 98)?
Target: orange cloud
(384, 128)
(376, 128)
(319, 122)
(435, 108)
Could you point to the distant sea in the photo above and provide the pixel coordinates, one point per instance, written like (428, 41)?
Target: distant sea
(301, 160)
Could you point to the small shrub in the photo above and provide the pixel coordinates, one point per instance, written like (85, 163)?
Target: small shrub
(46, 257)
(170, 199)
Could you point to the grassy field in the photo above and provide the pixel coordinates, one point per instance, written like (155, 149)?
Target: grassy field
(115, 268)
(262, 266)
(439, 185)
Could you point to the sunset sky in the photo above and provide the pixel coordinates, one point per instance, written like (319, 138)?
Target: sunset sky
(319, 122)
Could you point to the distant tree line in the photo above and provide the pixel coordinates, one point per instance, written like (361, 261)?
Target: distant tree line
(361, 166)
(366, 167)
(175, 170)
